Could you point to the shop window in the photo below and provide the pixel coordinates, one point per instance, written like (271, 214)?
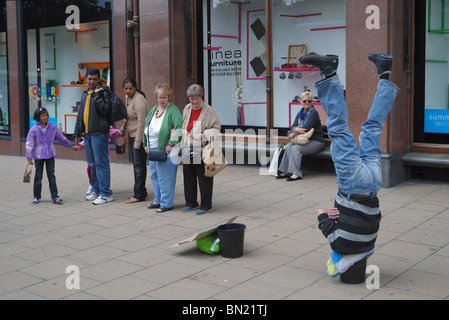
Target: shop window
(299, 28)
(4, 87)
(431, 114)
(437, 68)
(59, 52)
(235, 59)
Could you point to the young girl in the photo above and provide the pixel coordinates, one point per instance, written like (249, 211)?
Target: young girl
(40, 148)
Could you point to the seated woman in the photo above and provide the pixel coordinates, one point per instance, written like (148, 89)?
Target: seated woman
(306, 119)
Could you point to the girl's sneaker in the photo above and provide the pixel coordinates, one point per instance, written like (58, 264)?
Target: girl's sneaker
(35, 201)
(57, 200)
(89, 190)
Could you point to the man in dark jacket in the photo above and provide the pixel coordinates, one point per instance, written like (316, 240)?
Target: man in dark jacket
(93, 122)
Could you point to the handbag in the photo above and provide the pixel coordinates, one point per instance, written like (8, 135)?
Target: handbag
(27, 175)
(213, 158)
(157, 154)
(303, 138)
(120, 149)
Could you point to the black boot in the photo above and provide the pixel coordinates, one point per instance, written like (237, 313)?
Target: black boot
(326, 64)
(383, 64)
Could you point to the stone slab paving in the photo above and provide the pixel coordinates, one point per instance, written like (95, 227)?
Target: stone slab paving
(123, 250)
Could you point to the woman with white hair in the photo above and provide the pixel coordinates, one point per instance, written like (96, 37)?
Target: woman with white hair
(200, 126)
(306, 119)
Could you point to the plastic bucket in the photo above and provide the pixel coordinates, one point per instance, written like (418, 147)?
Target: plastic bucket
(356, 274)
(231, 237)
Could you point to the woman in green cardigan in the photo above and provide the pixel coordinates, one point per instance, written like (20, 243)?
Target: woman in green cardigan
(159, 123)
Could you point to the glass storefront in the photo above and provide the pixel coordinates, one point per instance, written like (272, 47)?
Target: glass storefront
(62, 43)
(431, 98)
(437, 68)
(235, 55)
(4, 92)
(303, 27)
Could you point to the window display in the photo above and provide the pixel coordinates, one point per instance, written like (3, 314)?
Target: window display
(299, 28)
(235, 58)
(235, 61)
(58, 58)
(436, 117)
(4, 92)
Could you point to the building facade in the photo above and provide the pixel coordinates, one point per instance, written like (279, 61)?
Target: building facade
(244, 53)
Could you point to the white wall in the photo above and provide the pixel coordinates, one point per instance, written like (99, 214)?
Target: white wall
(69, 54)
(286, 31)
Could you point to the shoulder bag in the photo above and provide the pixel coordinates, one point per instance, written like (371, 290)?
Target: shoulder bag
(157, 154)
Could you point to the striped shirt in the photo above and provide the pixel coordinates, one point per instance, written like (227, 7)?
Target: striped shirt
(357, 227)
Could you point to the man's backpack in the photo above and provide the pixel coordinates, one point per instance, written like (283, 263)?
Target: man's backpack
(118, 109)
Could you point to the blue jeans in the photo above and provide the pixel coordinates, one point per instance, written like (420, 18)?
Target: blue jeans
(97, 155)
(163, 178)
(358, 172)
(50, 168)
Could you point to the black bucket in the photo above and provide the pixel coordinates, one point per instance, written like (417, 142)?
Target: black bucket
(356, 274)
(231, 237)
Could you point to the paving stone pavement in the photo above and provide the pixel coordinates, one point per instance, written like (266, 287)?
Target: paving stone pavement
(122, 250)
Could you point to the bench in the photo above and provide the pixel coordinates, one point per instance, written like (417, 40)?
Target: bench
(426, 160)
(253, 153)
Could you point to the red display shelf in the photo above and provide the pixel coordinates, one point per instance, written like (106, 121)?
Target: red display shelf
(300, 15)
(295, 69)
(76, 32)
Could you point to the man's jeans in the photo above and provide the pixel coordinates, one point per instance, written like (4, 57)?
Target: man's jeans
(139, 159)
(97, 155)
(358, 172)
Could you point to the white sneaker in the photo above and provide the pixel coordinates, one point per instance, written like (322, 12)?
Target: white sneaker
(90, 190)
(102, 200)
(92, 196)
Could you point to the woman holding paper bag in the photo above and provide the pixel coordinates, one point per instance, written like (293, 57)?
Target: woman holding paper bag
(200, 126)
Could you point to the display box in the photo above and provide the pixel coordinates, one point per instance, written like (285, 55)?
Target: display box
(295, 52)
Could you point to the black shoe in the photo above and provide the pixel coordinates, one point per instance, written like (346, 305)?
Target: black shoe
(294, 179)
(383, 63)
(326, 64)
(153, 205)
